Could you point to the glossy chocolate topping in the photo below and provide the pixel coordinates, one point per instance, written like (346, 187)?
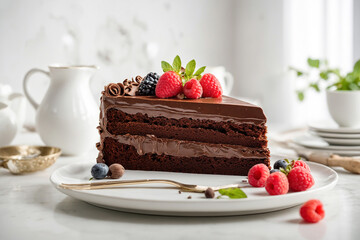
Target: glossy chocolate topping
(217, 109)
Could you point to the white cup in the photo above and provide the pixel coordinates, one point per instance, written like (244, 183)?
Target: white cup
(344, 107)
(225, 78)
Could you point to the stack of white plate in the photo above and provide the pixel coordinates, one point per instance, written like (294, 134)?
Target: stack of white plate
(329, 137)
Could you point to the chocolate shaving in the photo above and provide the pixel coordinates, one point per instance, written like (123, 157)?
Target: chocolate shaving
(114, 90)
(138, 79)
(131, 87)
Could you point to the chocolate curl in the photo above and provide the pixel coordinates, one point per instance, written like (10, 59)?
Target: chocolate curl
(131, 89)
(127, 82)
(114, 90)
(138, 79)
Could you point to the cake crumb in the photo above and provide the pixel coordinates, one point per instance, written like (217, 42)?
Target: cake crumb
(189, 197)
(179, 192)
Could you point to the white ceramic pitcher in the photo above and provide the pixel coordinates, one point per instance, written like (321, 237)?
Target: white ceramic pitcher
(68, 115)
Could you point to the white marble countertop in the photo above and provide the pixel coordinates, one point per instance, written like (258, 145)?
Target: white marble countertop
(31, 208)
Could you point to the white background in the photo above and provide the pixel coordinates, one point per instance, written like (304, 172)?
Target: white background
(255, 40)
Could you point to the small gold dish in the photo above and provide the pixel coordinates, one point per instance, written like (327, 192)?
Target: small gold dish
(24, 158)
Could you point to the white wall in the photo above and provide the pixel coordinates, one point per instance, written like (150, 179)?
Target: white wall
(125, 38)
(256, 40)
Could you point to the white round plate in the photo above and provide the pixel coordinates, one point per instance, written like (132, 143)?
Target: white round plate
(317, 143)
(342, 142)
(160, 199)
(336, 135)
(330, 127)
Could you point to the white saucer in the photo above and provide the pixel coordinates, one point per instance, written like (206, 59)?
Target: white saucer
(330, 127)
(317, 143)
(164, 200)
(342, 142)
(336, 135)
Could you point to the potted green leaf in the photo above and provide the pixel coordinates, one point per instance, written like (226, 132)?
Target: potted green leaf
(342, 91)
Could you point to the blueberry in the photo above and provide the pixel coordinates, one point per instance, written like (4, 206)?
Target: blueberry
(274, 170)
(99, 170)
(280, 164)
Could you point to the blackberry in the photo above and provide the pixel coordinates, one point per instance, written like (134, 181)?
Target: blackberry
(148, 84)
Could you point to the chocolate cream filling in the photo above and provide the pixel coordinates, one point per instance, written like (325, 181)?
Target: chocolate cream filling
(180, 148)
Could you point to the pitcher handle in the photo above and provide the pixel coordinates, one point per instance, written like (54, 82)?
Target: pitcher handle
(25, 84)
(229, 81)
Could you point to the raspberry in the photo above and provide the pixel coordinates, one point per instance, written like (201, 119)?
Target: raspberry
(169, 85)
(312, 211)
(192, 89)
(299, 163)
(300, 179)
(258, 175)
(277, 184)
(211, 86)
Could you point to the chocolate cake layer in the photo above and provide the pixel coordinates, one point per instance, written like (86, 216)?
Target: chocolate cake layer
(127, 155)
(207, 135)
(249, 135)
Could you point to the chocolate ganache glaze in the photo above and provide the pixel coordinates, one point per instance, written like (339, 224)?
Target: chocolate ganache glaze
(216, 109)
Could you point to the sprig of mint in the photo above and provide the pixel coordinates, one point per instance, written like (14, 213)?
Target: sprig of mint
(331, 76)
(186, 74)
(233, 193)
(289, 166)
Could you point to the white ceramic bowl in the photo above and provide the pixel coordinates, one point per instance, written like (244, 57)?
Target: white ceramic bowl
(344, 107)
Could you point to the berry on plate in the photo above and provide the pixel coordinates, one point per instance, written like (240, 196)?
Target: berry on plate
(274, 170)
(281, 164)
(99, 170)
(116, 170)
(148, 84)
(192, 89)
(258, 175)
(300, 179)
(277, 184)
(300, 163)
(169, 85)
(211, 86)
(312, 211)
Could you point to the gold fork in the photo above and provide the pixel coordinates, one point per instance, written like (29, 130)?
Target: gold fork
(112, 184)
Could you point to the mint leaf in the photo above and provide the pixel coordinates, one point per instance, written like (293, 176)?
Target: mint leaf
(166, 66)
(300, 95)
(298, 72)
(177, 64)
(324, 75)
(91, 178)
(190, 68)
(233, 193)
(315, 86)
(315, 63)
(357, 69)
(199, 71)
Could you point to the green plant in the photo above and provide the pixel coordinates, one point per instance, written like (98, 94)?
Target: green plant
(331, 78)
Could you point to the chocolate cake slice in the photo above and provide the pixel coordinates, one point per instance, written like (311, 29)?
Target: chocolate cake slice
(206, 135)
